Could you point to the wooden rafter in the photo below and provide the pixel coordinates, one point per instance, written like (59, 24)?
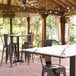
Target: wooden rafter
(52, 3)
(9, 2)
(66, 2)
(70, 3)
(59, 3)
(73, 2)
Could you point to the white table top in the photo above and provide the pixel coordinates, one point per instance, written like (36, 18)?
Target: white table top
(15, 35)
(57, 51)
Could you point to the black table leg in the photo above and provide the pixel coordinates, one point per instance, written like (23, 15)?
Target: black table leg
(73, 66)
(17, 48)
(6, 54)
(17, 51)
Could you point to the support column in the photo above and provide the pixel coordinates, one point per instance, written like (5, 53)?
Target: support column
(73, 66)
(44, 26)
(62, 30)
(10, 24)
(28, 27)
(28, 23)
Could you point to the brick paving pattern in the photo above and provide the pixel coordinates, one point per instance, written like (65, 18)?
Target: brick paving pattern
(33, 69)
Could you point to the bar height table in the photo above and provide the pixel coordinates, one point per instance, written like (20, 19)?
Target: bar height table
(17, 41)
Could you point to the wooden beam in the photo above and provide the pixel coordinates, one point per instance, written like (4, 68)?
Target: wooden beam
(66, 2)
(11, 25)
(28, 23)
(59, 3)
(72, 2)
(62, 29)
(9, 2)
(43, 16)
(13, 8)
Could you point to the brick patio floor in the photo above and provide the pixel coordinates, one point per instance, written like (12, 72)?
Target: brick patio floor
(33, 69)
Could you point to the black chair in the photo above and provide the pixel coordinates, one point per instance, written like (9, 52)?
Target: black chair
(51, 69)
(27, 55)
(8, 48)
(5, 47)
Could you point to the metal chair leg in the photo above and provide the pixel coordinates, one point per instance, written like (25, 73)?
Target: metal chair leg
(64, 72)
(10, 54)
(49, 73)
(42, 72)
(6, 54)
(2, 56)
(32, 58)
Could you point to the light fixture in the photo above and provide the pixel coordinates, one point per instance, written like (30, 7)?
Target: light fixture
(58, 9)
(56, 12)
(24, 7)
(50, 11)
(69, 10)
(45, 13)
(67, 7)
(18, 9)
(72, 7)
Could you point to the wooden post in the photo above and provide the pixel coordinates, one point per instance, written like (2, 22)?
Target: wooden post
(43, 16)
(62, 30)
(43, 26)
(10, 24)
(28, 27)
(28, 23)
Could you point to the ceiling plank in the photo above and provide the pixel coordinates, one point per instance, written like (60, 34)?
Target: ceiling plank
(73, 2)
(66, 2)
(60, 3)
(53, 4)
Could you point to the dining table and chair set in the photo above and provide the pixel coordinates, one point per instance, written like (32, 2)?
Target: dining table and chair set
(11, 48)
(50, 48)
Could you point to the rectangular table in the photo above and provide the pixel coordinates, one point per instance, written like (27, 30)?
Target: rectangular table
(62, 51)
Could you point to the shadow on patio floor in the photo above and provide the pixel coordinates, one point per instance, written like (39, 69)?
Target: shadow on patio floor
(23, 69)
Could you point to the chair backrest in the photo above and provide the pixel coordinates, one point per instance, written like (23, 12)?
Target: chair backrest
(5, 39)
(49, 42)
(27, 45)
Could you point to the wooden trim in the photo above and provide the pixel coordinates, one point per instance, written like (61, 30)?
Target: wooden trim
(9, 2)
(28, 23)
(72, 2)
(11, 25)
(62, 30)
(43, 16)
(59, 3)
(28, 28)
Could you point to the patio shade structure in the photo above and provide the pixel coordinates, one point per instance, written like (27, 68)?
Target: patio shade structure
(63, 8)
(56, 7)
(9, 8)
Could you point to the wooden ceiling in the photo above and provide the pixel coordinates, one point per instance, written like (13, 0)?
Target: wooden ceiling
(56, 7)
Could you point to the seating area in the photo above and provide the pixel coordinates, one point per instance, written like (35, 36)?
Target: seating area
(33, 69)
(40, 69)
(36, 63)
(48, 67)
